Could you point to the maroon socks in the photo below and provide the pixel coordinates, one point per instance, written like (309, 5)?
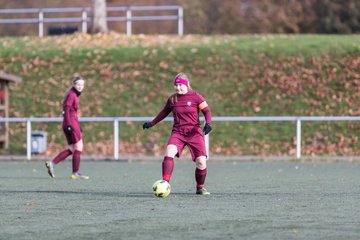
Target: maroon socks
(167, 168)
(200, 176)
(61, 156)
(76, 161)
(75, 158)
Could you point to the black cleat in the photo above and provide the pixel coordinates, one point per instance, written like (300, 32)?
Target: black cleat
(202, 191)
(50, 166)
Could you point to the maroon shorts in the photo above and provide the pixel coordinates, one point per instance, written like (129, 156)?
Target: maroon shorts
(194, 139)
(73, 137)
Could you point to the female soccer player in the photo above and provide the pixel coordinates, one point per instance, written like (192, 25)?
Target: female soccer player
(185, 105)
(72, 131)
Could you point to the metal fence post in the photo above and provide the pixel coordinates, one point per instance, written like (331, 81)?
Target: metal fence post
(28, 139)
(41, 19)
(207, 140)
(298, 138)
(116, 139)
(84, 20)
(128, 22)
(207, 143)
(118, 120)
(180, 21)
(41, 23)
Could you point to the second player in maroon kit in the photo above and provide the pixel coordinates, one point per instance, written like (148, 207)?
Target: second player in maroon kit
(72, 131)
(185, 105)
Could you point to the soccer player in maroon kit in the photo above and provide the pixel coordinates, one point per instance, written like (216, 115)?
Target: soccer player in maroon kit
(72, 131)
(185, 105)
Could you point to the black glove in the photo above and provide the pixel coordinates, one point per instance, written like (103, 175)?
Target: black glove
(147, 125)
(69, 129)
(207, 128)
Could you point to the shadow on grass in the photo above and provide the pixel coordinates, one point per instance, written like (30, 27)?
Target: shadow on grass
(149, 194)
(109, 194)
(21, 177)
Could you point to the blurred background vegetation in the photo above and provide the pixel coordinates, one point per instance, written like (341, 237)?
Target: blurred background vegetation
(220, 17)
(263, 75)
(248, 58)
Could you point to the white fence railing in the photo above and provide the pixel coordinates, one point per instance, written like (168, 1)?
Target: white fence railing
(117, 120)
(84, 18)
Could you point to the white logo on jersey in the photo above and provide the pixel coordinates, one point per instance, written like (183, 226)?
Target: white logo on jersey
(189, 104)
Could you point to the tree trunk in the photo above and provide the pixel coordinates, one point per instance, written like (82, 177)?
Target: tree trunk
(99, 23)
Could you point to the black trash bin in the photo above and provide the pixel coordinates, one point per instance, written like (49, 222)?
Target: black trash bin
(38, 142)
(59, 30)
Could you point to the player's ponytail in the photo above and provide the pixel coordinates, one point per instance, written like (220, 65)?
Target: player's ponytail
(173, 98)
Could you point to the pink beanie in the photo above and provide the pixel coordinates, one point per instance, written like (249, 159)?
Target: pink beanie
(182, 81)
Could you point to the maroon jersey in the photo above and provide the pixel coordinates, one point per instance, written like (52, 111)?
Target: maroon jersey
(185, 111)
(70, 107)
